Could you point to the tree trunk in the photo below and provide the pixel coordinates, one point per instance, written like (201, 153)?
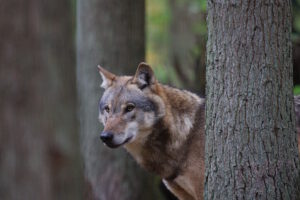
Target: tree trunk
(109, 33)
(57, 28)
(39, 153)
(251, 148)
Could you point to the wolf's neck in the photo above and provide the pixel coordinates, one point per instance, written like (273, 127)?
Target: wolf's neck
(166, 147)
(181, 100)
(157, 154)
(181, 109)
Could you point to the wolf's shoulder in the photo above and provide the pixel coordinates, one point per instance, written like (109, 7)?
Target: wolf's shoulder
(182, 95)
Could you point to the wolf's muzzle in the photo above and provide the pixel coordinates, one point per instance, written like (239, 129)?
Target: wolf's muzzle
(107, 137)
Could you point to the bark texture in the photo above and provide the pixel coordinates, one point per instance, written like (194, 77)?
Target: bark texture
(251, 148)
(109, 33)
(39, 156)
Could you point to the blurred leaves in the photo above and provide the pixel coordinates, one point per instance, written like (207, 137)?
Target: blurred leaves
(176, 36)
(157, 25)
(296, 20)
(297, 90)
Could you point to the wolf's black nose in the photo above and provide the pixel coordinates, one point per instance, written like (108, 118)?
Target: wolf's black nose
(106, 136)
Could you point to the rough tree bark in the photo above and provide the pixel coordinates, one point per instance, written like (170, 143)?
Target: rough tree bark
(39, 156)
(110, 33)
(251, 148)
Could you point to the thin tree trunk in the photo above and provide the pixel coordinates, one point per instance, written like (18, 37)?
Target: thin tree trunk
(109, 33)
(187, 46)
(251, 148)
(57, 31)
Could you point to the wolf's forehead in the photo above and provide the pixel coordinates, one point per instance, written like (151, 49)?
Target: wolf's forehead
(118, 95)
(122, 95)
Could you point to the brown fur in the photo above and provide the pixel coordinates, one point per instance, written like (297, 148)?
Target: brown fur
(170, 130)
(176, 158)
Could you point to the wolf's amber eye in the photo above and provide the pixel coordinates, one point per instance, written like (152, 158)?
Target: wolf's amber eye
(129, 107)
(106, 108)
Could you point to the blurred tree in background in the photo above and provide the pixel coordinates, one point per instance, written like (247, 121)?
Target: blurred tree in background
(39, 144)
(296, 44)
(176, 37)
(110, 33)
(176, 42)
(187, 43)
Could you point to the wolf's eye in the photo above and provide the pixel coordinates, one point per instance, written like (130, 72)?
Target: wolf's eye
(106, 108)
(129, 107)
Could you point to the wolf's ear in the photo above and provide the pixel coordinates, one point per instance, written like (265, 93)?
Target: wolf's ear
(107, 77)
(144, 76)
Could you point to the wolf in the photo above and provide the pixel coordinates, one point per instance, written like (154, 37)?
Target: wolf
(162, 127)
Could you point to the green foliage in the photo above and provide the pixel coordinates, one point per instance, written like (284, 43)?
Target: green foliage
(296, 20)
(297, 90)
(161, 74)
(158, 21)
(201, 4)
(157, 29)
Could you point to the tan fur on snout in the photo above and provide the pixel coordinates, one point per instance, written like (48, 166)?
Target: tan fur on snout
(115, 125)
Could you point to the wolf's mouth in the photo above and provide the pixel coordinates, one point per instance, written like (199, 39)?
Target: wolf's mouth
(127, 140)
(113, 145)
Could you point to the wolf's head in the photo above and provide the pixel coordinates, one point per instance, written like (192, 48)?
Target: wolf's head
(129, 107)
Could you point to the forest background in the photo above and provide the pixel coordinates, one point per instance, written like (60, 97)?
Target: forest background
(42, 154)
